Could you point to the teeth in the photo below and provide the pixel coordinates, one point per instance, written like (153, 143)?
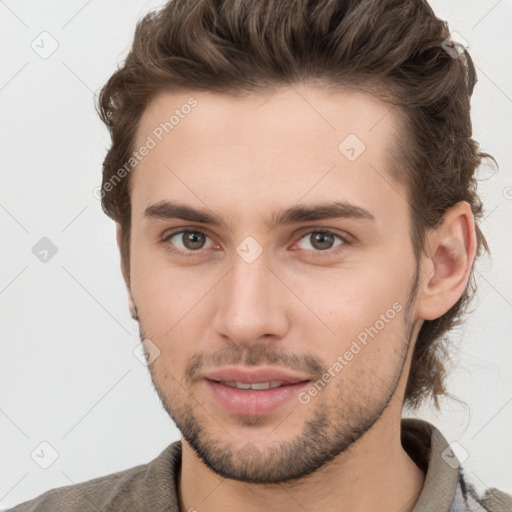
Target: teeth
(262, 385)
(256, 385)
(239, 385)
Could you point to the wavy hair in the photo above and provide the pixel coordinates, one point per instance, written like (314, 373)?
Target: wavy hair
(394, 49)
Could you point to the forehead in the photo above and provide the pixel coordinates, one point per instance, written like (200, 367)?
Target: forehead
(295, 144)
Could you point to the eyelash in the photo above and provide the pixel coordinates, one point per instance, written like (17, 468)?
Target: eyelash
(190, 253)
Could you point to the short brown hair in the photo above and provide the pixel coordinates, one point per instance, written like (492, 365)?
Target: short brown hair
(394, 49)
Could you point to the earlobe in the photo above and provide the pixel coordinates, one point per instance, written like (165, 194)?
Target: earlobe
(451, 251)
(126, 278)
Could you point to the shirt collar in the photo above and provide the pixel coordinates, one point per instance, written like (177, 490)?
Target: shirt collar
(431, 452)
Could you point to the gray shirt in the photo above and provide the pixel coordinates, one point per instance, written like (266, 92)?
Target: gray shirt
(152, 487)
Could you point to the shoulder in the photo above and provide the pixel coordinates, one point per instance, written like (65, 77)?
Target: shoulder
(496, 501)
(447, 487)
(126, 489)
(86, 496)
(492, 500)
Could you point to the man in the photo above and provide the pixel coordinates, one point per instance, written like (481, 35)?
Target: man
(297, 219)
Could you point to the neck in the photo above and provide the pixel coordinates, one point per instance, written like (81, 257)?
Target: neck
(375, 473)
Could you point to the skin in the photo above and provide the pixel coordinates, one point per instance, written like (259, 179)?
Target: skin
(296, 306)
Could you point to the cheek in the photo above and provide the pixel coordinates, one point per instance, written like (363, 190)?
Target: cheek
(365, 305)
(162, 294)
(170, 304)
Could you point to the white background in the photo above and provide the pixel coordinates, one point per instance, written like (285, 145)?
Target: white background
(68, 373)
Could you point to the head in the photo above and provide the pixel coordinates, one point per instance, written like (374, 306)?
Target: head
(257, 113)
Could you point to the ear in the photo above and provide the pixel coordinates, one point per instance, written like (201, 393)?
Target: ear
(451, 250)
(126, 277)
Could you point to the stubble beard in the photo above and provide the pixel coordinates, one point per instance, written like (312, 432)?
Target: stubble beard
(329, 431)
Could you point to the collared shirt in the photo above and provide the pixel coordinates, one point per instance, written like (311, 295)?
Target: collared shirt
(153, 487)
(445, 488)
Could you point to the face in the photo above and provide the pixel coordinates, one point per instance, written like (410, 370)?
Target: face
(296, 260)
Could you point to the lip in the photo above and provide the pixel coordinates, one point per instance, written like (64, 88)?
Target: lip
(249, 401)
(255, 376)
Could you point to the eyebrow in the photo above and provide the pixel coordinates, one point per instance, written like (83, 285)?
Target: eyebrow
(303, 213)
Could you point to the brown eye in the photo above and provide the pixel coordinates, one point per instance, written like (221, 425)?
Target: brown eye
(187, 241)
(193, 239)
(322, 240)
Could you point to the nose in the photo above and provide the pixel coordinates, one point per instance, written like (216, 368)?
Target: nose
(251, 303)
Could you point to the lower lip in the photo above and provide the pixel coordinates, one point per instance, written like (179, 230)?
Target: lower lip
(253, 402)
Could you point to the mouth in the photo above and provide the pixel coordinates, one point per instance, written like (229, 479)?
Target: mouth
(257, 386)
(254, 393)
